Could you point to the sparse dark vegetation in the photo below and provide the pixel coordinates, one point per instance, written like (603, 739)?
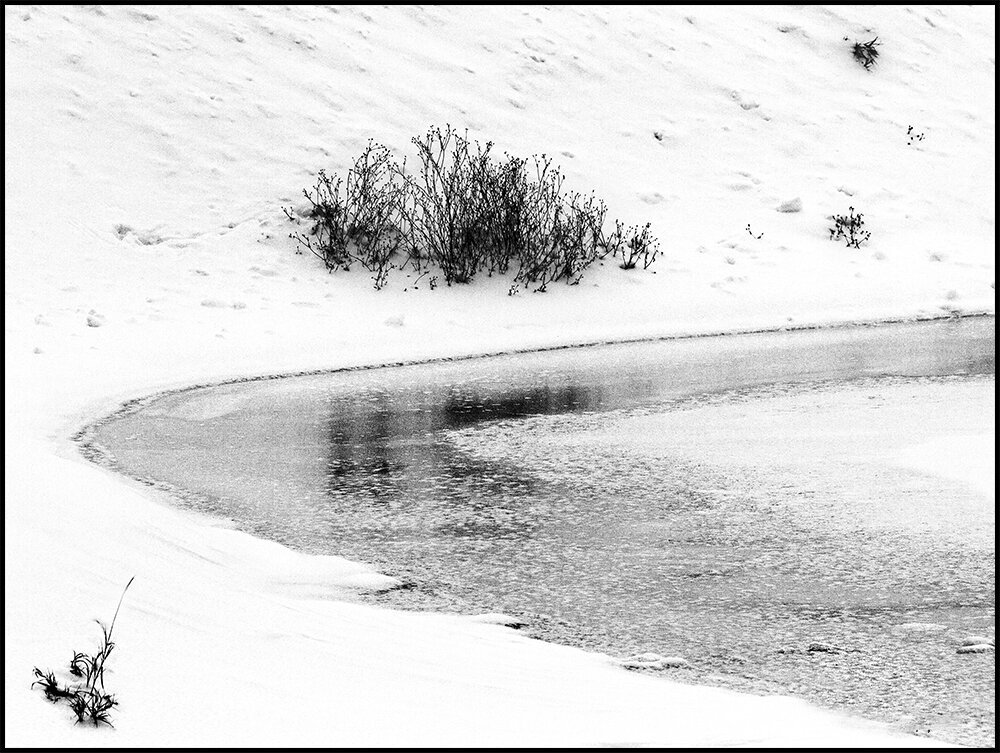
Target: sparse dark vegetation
(357, 221)
(913, 135)
(464, 211)
(634, 244)
(850, 229)
(866, 53)
(85, 694)
(755, 237)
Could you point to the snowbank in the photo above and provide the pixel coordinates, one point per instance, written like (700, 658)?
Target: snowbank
(147, 153)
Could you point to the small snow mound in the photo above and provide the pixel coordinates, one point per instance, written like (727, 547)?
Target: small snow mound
(745, 103)
(792, 205)
(497, 618)
(394, 321)
(978, 640)
(824, 648)
(149, 239)
(981, 648)
(263, 271)
(654, 661)
(94, 319)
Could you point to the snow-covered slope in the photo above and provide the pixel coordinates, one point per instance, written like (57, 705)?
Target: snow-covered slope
(147, 154)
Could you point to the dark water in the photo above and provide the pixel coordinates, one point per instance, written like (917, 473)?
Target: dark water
(729, 500)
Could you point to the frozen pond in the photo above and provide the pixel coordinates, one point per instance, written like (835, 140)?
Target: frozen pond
(730, 500)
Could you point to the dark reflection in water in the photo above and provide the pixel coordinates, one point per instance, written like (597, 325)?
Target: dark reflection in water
(390, 447)
(712, 498)
(465, 408)
(386, 433)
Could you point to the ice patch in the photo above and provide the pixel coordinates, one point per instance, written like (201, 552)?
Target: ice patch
(654, 661)
(200, 408)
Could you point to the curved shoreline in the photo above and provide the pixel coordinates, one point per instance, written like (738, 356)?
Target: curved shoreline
(86, 440)
(83, 438)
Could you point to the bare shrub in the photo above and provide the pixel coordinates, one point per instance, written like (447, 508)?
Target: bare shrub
(850, 229)
(358, 220)
(445, 207)
(462, 211)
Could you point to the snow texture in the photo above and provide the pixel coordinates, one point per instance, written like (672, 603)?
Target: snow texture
(148, 153)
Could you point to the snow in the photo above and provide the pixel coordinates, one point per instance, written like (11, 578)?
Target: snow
(147, 154)
(969, 458)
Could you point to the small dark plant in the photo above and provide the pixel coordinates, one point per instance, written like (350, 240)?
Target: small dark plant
(866, 53)
(850, 229)
(86, 696)
(639, 245)
(755, 237)
(913, 135)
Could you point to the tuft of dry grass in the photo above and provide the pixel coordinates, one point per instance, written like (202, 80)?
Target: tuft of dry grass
(865, 53)
(86, 695)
